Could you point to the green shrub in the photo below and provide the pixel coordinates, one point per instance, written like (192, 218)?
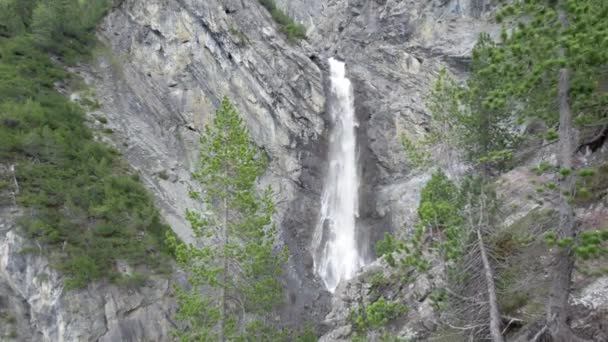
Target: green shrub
(66, 27)
(268, 4)
(307, 335)
(386, 247)
(377, 280)
(293, 30)
(80, 269)
(376, 315)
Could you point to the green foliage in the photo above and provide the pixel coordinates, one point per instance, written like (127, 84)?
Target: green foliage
(592, 244)
(439, 201)
(386, 247)
(235, 255)
(293, 30)
(63, 27)
(551, 135)
(552, 64)
(542, 167)
(307, 335)
(61, 24)
(440, 215)
(82, 201)
(530, 56)
(438, 298)
(15, 16)
(444, 104)
(469, 117)
(592, 184)
(80, 269)
(440, 211)
(416, 155)
(586, 172)
(376, 314)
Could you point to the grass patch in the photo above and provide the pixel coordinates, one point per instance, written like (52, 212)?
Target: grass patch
(293, 30)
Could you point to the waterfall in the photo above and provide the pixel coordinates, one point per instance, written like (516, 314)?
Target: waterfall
(335, 252)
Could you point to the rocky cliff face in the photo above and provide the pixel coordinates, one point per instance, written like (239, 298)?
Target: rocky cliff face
(165, 68)
(34, 306)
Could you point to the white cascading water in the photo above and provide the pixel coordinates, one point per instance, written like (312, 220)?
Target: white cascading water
(336, 255)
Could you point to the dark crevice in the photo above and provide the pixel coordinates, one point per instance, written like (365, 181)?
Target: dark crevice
(596, 142)
(155, 32)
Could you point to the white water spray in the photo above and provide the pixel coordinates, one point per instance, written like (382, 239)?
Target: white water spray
(336, 255)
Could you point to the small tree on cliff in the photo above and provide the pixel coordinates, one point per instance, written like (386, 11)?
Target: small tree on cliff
(233, 261)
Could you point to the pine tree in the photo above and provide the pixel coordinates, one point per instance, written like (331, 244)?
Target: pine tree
(467, 117)
(551, 63)
(234, 262)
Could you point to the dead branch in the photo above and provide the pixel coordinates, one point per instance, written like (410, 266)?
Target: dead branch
(539, 334)
(495, 321)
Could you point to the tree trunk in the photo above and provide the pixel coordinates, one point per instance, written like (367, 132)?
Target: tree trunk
(495, 320)
(559, 292)
(495, 317)
(223, 305)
